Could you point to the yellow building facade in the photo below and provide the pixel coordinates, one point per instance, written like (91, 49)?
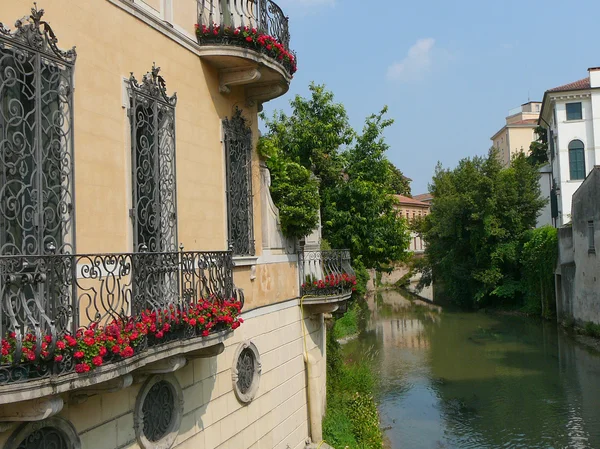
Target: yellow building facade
(135, 213)
(518, 132)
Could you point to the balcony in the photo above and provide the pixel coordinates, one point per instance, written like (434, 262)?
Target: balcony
(248, 42)
(327, 279)
(66, 317)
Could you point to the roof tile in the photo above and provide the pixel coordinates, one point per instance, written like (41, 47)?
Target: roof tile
(580, 84)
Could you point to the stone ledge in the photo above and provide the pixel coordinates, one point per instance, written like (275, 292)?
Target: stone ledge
(324, 304)
(51, 386)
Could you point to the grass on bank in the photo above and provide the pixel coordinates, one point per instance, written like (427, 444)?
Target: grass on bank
(351, 419)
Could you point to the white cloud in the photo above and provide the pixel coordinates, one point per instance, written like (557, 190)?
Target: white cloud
(417, 62)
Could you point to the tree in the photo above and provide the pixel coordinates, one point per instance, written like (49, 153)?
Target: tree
(360, 212)
(474, 232)
(538, 150)
(356, 184)
(294, 190)
(314, 134)
(399, 183)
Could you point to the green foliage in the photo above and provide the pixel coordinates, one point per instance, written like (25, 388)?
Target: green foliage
(348, 323)
(591, 329)
(539, 253)
(538, 150)
(314, 134)
(294, 190)
(479, 215)
(351, 419)
(357, 182)
(359, 213)
(399, 184)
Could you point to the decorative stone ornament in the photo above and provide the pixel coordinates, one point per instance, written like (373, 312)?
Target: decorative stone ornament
(246, 371)
(158, 412)
(55, 432)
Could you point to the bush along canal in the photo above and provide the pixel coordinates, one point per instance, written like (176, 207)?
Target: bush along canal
(462, 380)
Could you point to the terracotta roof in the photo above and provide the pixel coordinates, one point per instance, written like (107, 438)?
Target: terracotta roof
(423, 197)
(581, 84)
(406, 200)
(529, 121)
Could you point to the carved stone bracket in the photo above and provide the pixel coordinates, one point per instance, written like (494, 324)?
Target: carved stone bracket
(169, 365)
(112, 386)
(260, 93)
(204, 353)
(35, 410)
(237, 76)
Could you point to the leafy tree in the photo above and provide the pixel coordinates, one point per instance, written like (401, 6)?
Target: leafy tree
(474, 232)
(360, 212)
(294, 190)
(538, 150)
(399, 183)
(314, 134)
(539, 250)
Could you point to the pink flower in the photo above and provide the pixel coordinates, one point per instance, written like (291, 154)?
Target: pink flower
(82, 368)
(78, 355)
(97, 361)
(58, 358)
(60, 344)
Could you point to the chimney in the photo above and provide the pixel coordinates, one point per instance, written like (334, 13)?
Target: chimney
(594, 76)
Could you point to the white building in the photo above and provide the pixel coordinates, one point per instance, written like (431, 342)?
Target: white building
(571, 113)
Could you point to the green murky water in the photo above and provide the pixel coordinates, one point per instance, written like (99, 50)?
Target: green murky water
(458, 380)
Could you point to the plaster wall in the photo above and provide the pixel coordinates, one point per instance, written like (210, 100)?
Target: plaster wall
(213, 417)
(568, 131)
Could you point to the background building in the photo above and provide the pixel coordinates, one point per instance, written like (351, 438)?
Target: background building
(411, 209)
(518, 132)
(571, 114)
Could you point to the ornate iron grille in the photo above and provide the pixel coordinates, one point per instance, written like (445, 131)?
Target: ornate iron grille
(264, 15)
(36, 140)
(102, 288)
(238, 155)
(45, 438)
(36, 177)
(245, 370)
(152, 116)
(158, 411)
(325, 272)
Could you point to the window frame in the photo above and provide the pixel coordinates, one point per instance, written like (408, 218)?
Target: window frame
(36, 45)
(591, 237)
(151, 94)
(578, 173)
(580, 111)
(237, 146)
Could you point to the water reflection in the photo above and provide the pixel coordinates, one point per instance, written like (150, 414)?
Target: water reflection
(456, 380)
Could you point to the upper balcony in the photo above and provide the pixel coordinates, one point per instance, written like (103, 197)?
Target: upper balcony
(248, 42)
(64, 317)
(327, 279)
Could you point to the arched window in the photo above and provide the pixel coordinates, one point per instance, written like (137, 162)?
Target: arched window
(576, 159)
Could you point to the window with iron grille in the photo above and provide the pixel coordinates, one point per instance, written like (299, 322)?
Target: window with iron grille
(238, 157)
(36, 140)
(152, 117)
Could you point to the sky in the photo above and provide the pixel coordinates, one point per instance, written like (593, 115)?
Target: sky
(448, 71)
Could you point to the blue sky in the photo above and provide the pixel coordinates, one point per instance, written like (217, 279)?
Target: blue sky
(449, 71)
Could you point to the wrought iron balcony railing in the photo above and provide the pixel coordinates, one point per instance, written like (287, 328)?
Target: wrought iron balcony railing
(326, 273)
(257, 24)
(59, 313)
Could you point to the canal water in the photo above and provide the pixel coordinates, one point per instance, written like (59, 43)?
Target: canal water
(475, 380)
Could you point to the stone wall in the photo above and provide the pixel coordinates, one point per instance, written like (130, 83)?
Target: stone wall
(578, 286)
